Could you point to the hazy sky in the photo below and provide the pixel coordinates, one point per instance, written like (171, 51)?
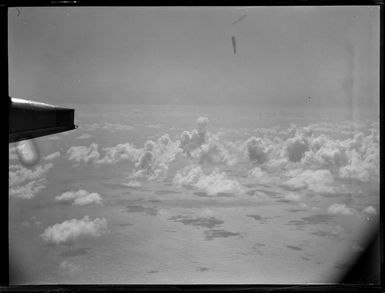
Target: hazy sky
(185, 55)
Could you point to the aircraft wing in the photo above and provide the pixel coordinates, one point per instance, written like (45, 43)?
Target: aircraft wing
(29, 119)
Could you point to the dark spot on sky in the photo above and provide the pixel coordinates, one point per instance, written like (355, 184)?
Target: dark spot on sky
(305, 258)
(211, 234)
(153, 272)
(294, 247)
(201, 222)
(140, 209)
(74, 252)
(155, 200)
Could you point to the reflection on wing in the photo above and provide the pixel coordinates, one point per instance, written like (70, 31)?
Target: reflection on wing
(29, 119)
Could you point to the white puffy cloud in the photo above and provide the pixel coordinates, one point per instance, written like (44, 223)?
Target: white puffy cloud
(52, 156)
(314, 180)
(120, 152)
(214, 183)
(70, 231)
(26, 183)
(80, 197)
(133, 183)
(341, 208)
(83, 153)
(370, 210)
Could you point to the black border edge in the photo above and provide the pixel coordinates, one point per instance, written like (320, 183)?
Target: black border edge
(4, 204)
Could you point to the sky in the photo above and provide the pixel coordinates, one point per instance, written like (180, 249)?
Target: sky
(184, 55)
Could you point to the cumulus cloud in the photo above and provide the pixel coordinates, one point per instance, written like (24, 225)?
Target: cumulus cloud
(70, 231)
(370, 210)
(120, 152)
(257, 149)
(52, 156)
(341, 208)
(214, 183)
(314, 180)
(80, 197)
(83, 153)
(26, 183)
(260, 175)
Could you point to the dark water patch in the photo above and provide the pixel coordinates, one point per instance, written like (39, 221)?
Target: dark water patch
(225, 194)
(296, 210)
(318, 219)
(269, 192)
(209, 223)
(162, 192)
(259, 218)
(258, 245)
(74, 252)
(294, 247)
(141, 209)
(324, 234)
(201, 193)
(251, 192)
(252, 185)
(155, 200)
(211, 234)
(311, 220)
(202, 269)
(125, 224)
(153, 272)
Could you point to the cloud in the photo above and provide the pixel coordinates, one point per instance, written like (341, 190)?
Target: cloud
(69, 267)
(341, 208)
(257, 149)
(120, 152)
(260, 175)
(370, 210)
(84, 136)
(70, 231)
(52, 156)
(29, 190)
(214, 183)
(83, 153)
(26, 183)
(80, 197)
(317, 181)
(133, 183)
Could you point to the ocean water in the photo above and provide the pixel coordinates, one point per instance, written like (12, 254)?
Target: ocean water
(196, 194)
